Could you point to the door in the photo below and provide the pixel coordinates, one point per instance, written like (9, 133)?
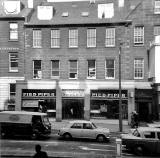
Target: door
(76, 130)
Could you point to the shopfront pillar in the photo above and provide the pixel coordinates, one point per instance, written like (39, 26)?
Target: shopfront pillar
(58, 103)
(87, 106)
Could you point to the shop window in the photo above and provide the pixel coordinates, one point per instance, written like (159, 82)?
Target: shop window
(73, 69)
(158, 135)
(13, 31)
(37, 72)
(73, 38)
(157, 7)
(139, 35)
(37, 39)
(13, 62)
(110, 37)
(110, 68)
(138, 68)
(55, 38)
(55, 68)
(91, 37)
(91, 69)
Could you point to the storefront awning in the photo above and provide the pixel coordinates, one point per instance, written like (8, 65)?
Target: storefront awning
(143, 85)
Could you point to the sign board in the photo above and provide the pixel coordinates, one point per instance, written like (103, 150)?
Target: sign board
(73, 93)
(30, 103)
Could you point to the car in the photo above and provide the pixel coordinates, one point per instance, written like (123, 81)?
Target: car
(84, 129)
(142, 140)
(154, 125)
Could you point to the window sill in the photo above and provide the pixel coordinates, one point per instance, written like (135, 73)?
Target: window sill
(13, 71)
(89, 78)
(36, 47)
(109, 78)
(37, 78)
(13, 40)
(138, 78)
(110, 46)
(91, 47)
(138, 45)
(55, 47)
(73, 47)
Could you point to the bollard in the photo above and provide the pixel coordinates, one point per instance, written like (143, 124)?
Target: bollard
(118, 147)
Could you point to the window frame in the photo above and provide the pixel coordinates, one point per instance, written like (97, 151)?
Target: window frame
(37, 70)
(88, 71)
(109, 68)
(11, 62)
(157, 7)
(55, 69)
(142, 68)
(55, 38)
(13, 31)
(73, 38)
(76, 73)
(137, 37)
(110, 38)
(12, 93)
(37, 38)
(91, 38)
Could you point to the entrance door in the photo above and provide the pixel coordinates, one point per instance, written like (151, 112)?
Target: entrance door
(143, 111)
(73, 108)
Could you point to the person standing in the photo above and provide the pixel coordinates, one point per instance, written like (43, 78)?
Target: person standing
(39, 153)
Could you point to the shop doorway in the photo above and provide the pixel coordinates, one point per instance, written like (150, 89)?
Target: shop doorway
(73, 109)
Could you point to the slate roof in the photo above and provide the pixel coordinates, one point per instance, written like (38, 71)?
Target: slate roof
(74, 10)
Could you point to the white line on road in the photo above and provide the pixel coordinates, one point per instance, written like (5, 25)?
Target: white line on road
(86, 148)
(103, 145)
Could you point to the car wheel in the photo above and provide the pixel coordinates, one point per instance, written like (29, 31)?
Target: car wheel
(67, 136)
(138, 150)
(101, 138)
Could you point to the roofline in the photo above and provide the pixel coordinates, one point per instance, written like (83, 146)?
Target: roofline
(120, 23)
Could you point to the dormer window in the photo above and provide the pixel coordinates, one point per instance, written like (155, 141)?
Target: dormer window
(105, 10)
(11, 7)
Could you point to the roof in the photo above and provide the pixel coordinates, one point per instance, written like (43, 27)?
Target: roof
(80, 121)
(22, 113)
(74, 10)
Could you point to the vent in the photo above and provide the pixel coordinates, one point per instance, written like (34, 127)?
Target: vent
(85, 14)
(65, 14)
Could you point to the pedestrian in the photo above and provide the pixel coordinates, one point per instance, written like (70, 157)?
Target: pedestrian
(39, 153)
(134, 119)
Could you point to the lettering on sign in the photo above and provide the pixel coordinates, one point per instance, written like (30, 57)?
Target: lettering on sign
(38, 95)
(72, 93)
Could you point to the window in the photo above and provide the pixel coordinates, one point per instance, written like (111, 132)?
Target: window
(13, 62)
(87, 126)
(110, 68)
(157, 7)
(91, 38)
(73, 38)
(55, 68)
(139, 35)
(138, 68)
(149, 134)
(91, 69)
(37, 39)
(13, 31)
(37, 72)
(55, 38)
(110, 37)
(73, 69)
(77, 125)
(12, 89)
(156, 30)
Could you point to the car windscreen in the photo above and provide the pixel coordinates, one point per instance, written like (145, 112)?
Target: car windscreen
(45, 120)
(136, 133)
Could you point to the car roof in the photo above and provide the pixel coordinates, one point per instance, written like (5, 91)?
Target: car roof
(142, 129)
(80, 121)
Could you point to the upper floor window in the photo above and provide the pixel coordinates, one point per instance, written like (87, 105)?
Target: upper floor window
(37, 69)
(110, 37)
(138, 68)
(13, 62)
(91, 37)
(73, 69)
(12, 89)
(13, 31)
(156, 30)
(139, 35)
(91, 69)
(73, 38)
(110, 69)
(157, 7)
(55, 72)
(55, 38)
(37, 39)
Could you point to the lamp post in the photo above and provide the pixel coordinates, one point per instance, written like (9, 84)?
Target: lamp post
(120, 93)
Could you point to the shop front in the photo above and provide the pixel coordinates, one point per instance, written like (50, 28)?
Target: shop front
(43, 100)
(105, 104)
(73, 104)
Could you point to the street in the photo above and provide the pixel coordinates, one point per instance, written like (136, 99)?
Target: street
(57, 147)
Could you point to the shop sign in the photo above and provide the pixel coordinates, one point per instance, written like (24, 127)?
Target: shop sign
(72, 93)
(30, 103)
(32, 93)
(108, 94)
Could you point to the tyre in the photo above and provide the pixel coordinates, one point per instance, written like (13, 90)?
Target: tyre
(138, 150)
(101, 138)
(67, 136)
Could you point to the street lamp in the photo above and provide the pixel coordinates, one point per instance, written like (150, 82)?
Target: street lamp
(120, 93)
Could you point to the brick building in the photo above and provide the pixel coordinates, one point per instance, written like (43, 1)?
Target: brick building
(71, 59)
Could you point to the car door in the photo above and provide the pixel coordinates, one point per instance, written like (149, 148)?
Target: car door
(88, 131)
(158, 143)
(76, 130)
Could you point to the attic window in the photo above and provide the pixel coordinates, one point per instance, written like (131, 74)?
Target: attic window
(65, 14)
(45, 12)
(84, 14)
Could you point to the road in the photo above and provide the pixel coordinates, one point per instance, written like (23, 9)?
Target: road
(57, 147)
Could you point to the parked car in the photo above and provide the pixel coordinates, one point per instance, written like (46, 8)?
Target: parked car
(84, 129)
(154, 125)
(143, 140)
(24, 123)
